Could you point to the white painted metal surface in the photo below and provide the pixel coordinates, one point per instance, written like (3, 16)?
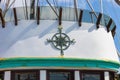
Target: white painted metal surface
(106, 76)
(29, 40)
(77, 75)
(7, 75)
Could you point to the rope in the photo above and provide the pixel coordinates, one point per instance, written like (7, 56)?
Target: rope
(11, 12)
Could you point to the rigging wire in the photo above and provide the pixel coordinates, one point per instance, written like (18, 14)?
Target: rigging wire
(55, 5)
(64, 10)
(8, 6)
(91, 8)
(24, 9)
(41, 9)
(75, 8)
(11, 16)
(69, 10)
(52, 8)
(102, 11)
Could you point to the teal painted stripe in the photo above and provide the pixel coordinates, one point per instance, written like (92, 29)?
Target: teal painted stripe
(57, 62)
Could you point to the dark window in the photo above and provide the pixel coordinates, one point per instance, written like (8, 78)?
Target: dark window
(25, 75)
(92, 75)
(60, 75)
(1, 75)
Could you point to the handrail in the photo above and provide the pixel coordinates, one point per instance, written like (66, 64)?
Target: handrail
(68, 14)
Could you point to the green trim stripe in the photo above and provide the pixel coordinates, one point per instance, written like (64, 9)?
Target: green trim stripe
(57, 62)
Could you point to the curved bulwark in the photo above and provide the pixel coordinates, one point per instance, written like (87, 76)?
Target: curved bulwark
(42, 63)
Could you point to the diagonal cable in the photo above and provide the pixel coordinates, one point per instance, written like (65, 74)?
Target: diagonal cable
(52, 8)
(92, 8)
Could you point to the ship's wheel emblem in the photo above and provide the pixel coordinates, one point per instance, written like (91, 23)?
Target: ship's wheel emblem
(60, 41)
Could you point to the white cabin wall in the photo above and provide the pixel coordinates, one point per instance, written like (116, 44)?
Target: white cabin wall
(28, 39)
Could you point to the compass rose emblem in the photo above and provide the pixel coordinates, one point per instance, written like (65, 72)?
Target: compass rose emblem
(60, 41)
